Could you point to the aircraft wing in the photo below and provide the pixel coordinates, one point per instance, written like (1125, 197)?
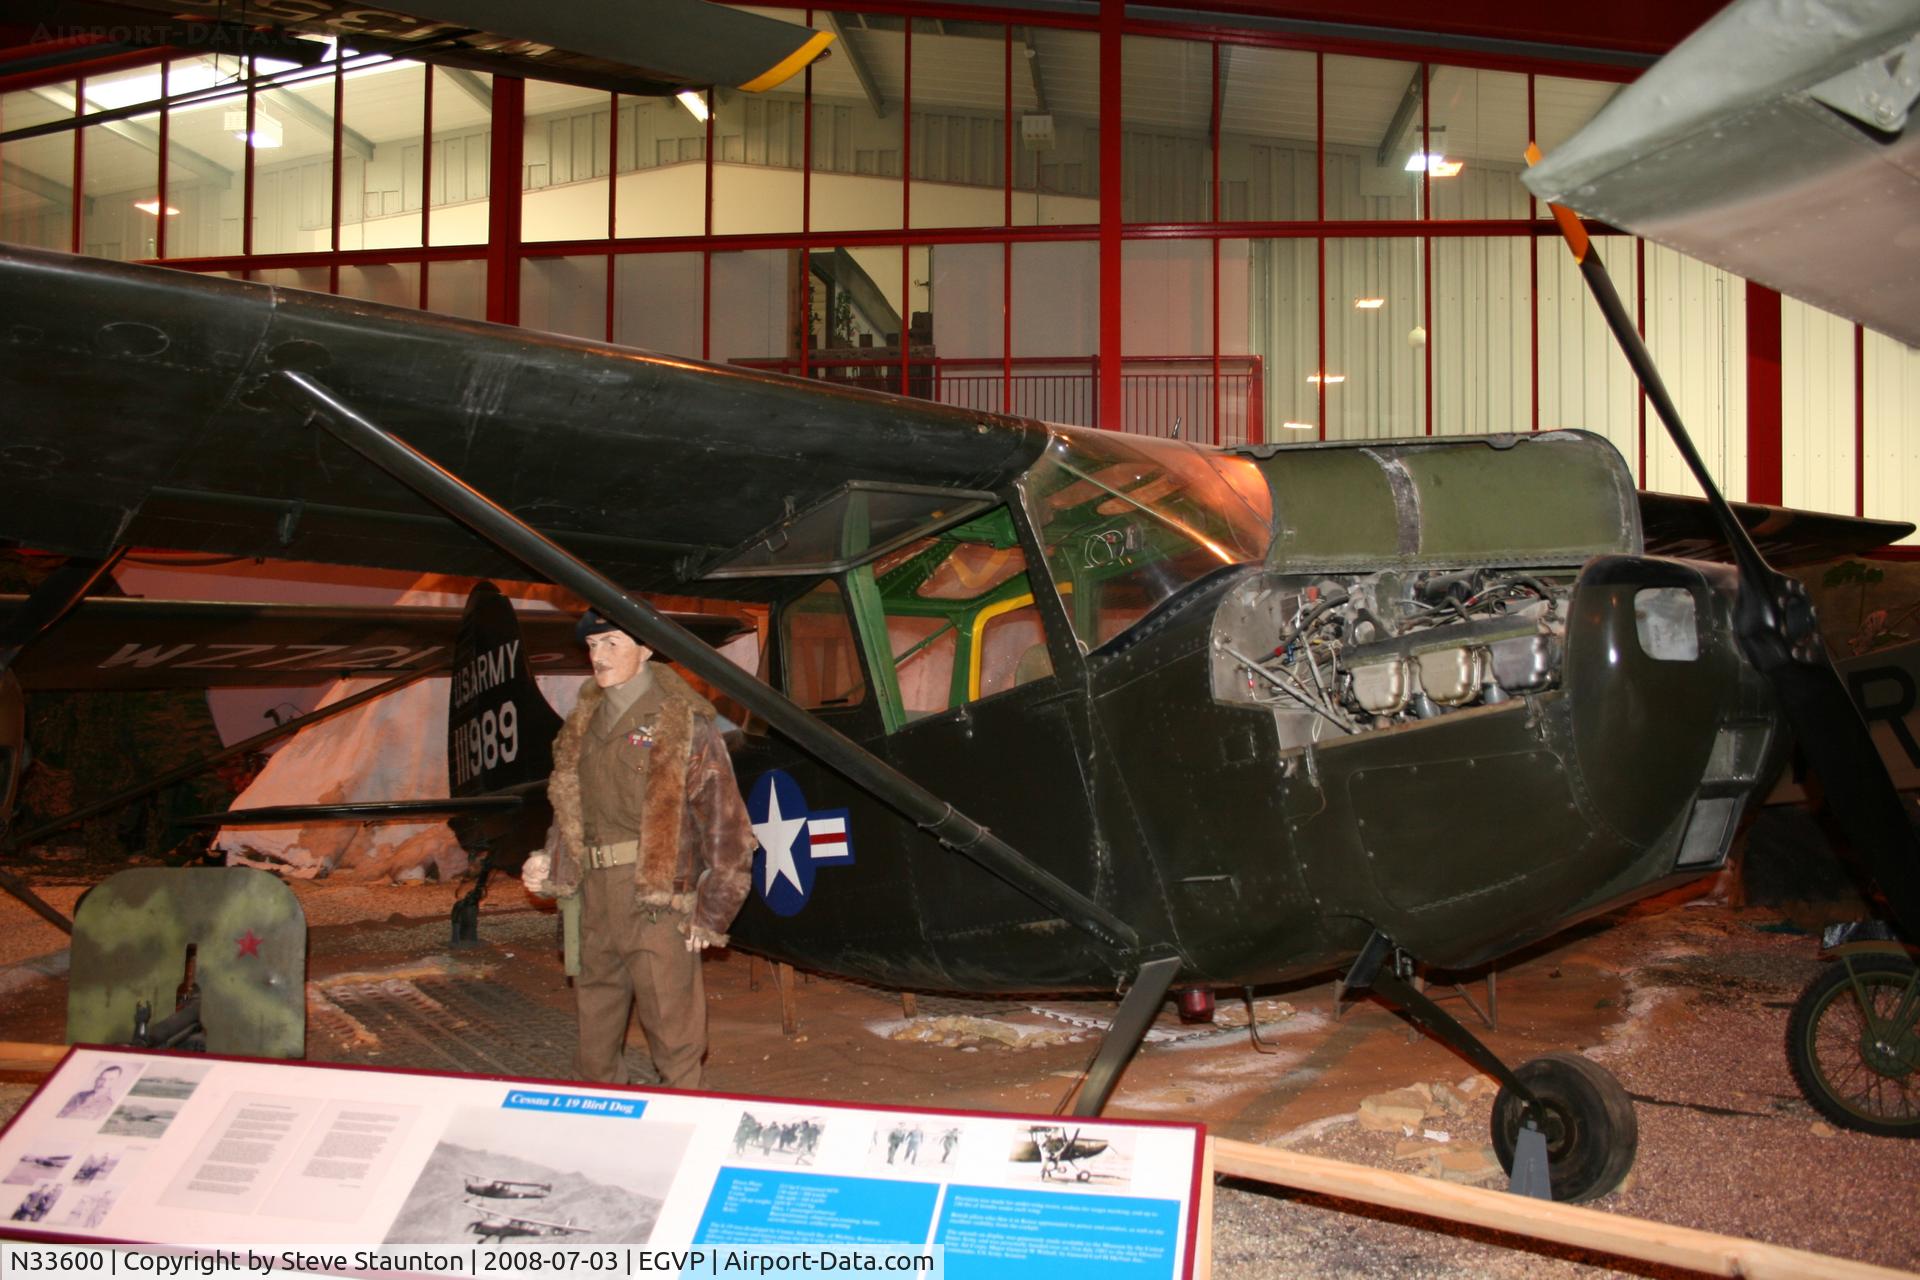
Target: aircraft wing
(1779, 141)
(1675, 525)
(624, 46)
(130, 643)
(142, 409)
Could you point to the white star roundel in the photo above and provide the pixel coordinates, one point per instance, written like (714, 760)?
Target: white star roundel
(793, 841)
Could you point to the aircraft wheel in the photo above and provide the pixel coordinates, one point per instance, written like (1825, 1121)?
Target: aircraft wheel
(1854, 1043)
(1586, 1118)
(1084, 1176)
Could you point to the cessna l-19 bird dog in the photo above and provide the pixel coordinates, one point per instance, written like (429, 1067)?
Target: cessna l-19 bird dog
(1238, 716)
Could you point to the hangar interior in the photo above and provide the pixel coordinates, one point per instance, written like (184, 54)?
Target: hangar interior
(1221, 226)
(1239, 225)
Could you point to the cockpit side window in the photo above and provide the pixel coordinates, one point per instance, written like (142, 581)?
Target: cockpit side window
(960, 620)
(821, 658)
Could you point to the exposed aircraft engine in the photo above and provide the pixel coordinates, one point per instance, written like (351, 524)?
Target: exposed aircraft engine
(1347, 654)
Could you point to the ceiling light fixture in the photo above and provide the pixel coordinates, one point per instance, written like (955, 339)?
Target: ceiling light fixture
(1369, 304)
(695, 102)
(1434, 163)
(267, 132)
(153, 207)
(1329, 379)
(1298, 426)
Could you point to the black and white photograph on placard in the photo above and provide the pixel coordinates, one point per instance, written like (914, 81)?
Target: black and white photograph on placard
(777, 1137)
(37, 1166)
(502, 1175)
(90, 1208)
(906, 1142)
(1070, 1154)
(97, 1100)
(96, 1167)
(136, 1118)
(37, 1203)
(168, 1081)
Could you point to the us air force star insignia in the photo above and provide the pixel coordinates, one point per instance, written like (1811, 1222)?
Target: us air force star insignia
(793, 841)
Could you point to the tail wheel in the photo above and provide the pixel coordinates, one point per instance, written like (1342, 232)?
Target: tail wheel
(1854, 1044)
(1586, 1118)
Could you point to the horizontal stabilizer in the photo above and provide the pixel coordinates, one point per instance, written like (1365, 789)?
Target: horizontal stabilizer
(356, 811)
(118, 643)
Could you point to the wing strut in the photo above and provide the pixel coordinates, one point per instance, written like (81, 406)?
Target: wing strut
(941, 820)
(50, 601)
(1775, 624)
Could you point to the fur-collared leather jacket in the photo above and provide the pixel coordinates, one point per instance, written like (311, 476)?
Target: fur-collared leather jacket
(696, 841)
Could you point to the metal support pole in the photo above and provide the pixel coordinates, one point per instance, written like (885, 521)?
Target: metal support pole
(14, 885)
(645, 623)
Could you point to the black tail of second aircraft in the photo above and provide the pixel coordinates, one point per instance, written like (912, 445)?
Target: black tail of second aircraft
(500, 731)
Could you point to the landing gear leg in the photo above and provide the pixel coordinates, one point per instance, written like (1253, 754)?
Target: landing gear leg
(466, 912)
(1136, 1013)
(1560, 1109)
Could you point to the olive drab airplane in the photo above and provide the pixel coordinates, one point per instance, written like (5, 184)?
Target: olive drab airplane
(1041, 708)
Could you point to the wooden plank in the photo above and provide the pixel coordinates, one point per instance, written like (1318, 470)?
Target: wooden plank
(789, 1005)
(1701, 1251)
(1203, 1230)
(34, 1059)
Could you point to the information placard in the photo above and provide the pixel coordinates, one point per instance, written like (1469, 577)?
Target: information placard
(202, 1153)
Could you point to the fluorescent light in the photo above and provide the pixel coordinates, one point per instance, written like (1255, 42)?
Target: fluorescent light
(1330, 379)
(1369, 304)
(1298, 426)
(153, 207)
(695, 102)
(266, 134)
(1434, 163)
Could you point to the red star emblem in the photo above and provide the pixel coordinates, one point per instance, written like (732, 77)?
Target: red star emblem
(249, 945)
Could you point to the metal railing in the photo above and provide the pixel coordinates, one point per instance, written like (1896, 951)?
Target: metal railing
(1165, 396)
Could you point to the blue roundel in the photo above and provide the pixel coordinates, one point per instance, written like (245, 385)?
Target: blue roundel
(783, 864)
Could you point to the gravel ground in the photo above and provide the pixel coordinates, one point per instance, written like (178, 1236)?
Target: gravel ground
(1726, 1142)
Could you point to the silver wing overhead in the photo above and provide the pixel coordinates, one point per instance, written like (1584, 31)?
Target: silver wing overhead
(1780, 141)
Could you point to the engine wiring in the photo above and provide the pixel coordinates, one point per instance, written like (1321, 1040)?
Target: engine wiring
(1341, 631)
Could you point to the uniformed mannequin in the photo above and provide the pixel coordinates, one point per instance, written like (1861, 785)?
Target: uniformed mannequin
(650, 832)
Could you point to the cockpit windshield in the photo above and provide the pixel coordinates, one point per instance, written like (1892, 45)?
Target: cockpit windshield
(1129, 521)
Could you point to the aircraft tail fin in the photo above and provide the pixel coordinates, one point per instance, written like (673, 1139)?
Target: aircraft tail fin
(500, 727)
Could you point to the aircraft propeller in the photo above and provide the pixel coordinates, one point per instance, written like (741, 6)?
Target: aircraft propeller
(1776, 627)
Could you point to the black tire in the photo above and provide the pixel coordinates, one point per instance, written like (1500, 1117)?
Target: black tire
(1868, 1084)
(1588, 1123)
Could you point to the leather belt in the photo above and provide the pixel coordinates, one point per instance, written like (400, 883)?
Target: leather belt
(600, 856)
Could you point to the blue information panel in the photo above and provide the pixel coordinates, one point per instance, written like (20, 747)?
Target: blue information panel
(771, 1206)
(1001, 1234)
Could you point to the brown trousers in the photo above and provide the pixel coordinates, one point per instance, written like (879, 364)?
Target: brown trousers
(634, 957)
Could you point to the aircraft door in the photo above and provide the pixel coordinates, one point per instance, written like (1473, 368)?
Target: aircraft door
(985, 723)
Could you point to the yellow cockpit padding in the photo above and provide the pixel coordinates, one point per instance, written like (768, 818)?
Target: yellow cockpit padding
(980, 621)
(791, 65)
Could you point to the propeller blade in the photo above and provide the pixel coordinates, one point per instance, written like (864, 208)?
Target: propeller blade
(1775, 624)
